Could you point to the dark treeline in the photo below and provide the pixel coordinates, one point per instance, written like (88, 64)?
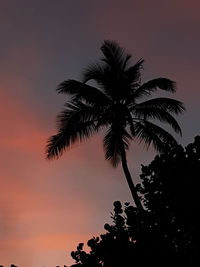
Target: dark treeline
(166, 233)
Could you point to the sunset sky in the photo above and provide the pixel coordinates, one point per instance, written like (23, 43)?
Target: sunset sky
(48, 207)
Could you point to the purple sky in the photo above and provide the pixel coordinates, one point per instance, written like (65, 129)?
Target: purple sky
(46, 208)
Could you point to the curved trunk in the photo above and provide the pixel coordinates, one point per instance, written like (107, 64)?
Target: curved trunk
(130, 181)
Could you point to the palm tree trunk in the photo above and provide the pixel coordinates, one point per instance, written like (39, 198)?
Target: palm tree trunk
(130, 181)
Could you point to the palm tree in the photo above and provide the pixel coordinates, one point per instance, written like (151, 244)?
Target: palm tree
(111, 102)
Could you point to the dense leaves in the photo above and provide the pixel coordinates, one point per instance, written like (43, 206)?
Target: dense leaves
(166, 233)
(132, 240)
(170, 190)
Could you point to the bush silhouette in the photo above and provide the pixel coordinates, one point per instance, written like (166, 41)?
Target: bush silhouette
(166, 233)
(132, 239)
(170, 190)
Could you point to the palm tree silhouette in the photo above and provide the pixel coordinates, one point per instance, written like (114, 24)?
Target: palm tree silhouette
(113, 104)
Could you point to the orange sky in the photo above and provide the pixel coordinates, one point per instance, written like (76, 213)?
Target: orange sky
(46, 208)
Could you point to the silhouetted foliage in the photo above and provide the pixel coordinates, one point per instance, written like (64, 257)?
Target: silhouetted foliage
(131, 240)
(166, 233)
(114, 103)
(170, 189)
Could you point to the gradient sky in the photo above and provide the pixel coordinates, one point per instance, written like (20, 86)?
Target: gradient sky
(46, 208)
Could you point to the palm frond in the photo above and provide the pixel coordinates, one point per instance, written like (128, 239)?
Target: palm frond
(157, 113)
(152, 85)
(112, 75)
(151, 134)
(58, 143)
(106, 78)
(164, 103)
(127, 58)
(113, 53)
(94, 72)
(133, 73)
(83, 91)
(75, 123)
(77, 112)
(115, 138)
